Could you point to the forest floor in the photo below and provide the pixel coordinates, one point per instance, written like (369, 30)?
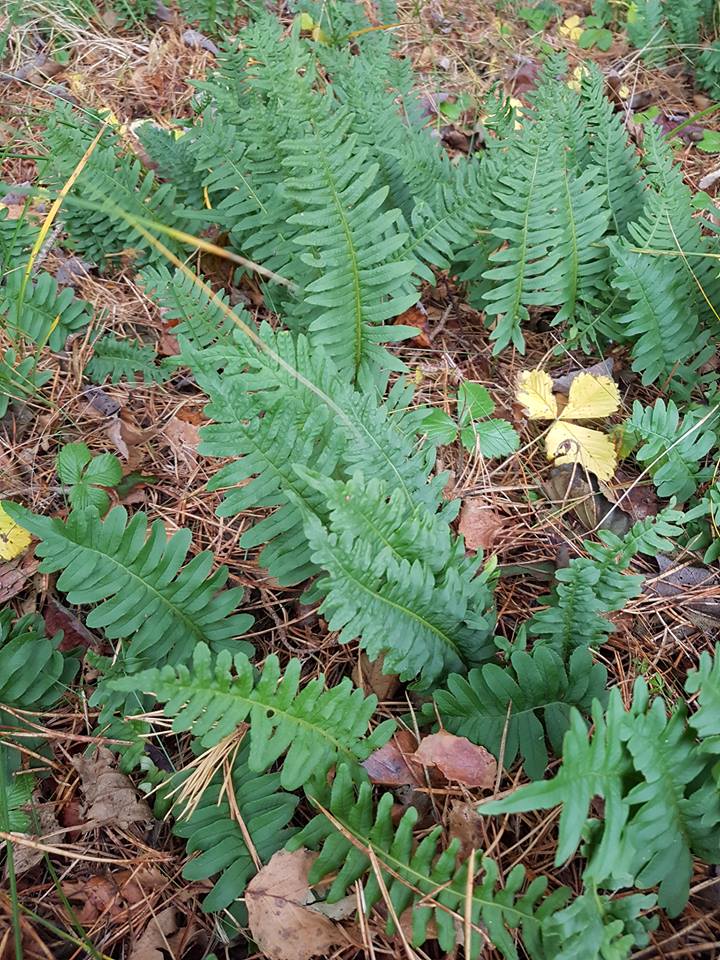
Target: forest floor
(123, 887)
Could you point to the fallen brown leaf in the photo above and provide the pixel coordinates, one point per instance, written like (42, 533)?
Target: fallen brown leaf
(369, 675)
(479, 524)
(15, 573)
(161, 936)
(113, 893)
(457, 759)
(110, 797)
(75, 634)
(26, 857)
(280, 922)
(183, 438)
(388, 765)
(467, 825)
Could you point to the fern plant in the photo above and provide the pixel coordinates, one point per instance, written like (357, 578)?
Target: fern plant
(656, 777)
(213, 832)
(34, 674)
(19, 379)
(311, 728)
(143, 590)
(39, 311)
(114, 360)
(674, 450)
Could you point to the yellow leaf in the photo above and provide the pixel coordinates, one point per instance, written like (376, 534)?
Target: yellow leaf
(535, 394)
(13, 539)
(591, 397)
(306, 23)
(571, 29)
(593, 450)
(576, 78)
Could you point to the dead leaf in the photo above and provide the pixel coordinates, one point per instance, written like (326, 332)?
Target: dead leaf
(640, 501)
(183, 438)
(369, 675)
(389, 766)
(280, 922)
(161, 936)
(26, 857)
(198, 41)
(14, 574)
(457, 759)
(110, 797)
(101, 402)
(570, 486)
(75, 634)
(602, 369)
(415, 317)
(479, 524)
(128, 437)
(467, 825)
(699, 588)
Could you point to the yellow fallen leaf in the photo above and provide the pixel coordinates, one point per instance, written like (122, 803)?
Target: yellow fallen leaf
(14, 539)
(591, 397)
(535, 393)
(571, 28)
(593, 450)
(575, 80)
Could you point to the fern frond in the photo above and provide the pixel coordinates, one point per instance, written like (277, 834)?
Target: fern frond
(616, 160)
(109, 177)
(589, 588)
(351, 290)
(16, 239)
(522, 705)
(421, 877)
(663, 332)
(596, 927)
(548, 219)
(173, 159)
(212, 830)
(19, 379)
(142, 589)
(674, 450)
(311, 727)
(115, 359)
(423, 627)
(34, 674)
(632, 845)
(18, 795)
(46, 314)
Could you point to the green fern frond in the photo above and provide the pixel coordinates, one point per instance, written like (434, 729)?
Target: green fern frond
(351, 289)
(589, 588)
(596, 927)
(520, 706)
(173, 160)
(18, 795)
(423, 627)
(109, 180)
(44, 314)
(421, 877)
(673, 449)
(114, 359)
(311, 727)
(632, 845)
(548, 220)
(19, 379)
(212, 830)
(610, 152)
(663, 332)
(212, 16)
(16, 239)
(141, 588)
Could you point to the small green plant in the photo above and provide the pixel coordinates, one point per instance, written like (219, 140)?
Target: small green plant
(491, 437)
(86, 476)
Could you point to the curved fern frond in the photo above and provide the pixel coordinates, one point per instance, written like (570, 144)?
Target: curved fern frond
(212, 830)
(142, 589)
(423, 627)
(651, 772)
(16, 239)
(45, 314)
(115, 360)
(674, 449)
(422, 878)
(522, 705)
(311, 727)
(351, 290)
(19, 379)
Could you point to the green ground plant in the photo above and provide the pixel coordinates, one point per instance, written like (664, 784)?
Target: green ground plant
(313, 158)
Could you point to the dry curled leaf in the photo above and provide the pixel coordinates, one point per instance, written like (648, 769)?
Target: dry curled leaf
(161, 937)
(110, 797)
(75, 634)
(466, 825)
(389, 765)
(281, 923)
(457, 759)
(368, 674)
(15, 573)
(26, 857)
(479, 524)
